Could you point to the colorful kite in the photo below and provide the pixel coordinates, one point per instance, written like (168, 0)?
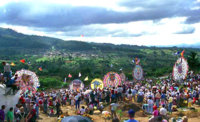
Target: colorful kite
(79, 75)
(22, 61)
(86, 78)
(40, 68)
(96, 83)
(69, 75)
(12, 64)
(138, 72)
(76, 85)
(27, 81)
(180, 68)
(182, 53)
(137, 61)
(112, 79)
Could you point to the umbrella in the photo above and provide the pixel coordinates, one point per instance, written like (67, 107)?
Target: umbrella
(76, 119)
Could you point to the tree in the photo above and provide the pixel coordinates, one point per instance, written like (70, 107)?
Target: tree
(193, 61)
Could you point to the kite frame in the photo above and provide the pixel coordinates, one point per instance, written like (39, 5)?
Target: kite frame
(71, 84)
(141, 72)
(97, 79)
(107, 76)
(186, 70)
(34, 86)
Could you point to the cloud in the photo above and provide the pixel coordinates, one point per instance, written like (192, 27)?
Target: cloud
(61, 15)
(186, 30)
(194, 17)
(168, 8)
(139, 22)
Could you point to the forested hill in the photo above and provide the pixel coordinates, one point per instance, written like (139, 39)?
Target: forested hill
(12, 39)
(58, 57)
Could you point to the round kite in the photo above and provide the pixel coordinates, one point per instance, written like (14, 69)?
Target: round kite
(27, 81)
(76, 85)
(138, 72)
(180, 69)
(123, 77)
(97, 83)
(112, 79)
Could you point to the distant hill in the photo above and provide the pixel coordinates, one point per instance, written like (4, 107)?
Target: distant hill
(11, 38)
(20, 43)
(12, 42)
(92, 58)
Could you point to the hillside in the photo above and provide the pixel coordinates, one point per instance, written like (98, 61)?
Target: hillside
(59, 58)
(10, 39)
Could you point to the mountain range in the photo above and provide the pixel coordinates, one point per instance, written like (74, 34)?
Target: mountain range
(12, 40)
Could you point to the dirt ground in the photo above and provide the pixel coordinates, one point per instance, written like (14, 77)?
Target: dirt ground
(140, 116)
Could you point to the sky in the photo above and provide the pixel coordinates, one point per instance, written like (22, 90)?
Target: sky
(134, 22)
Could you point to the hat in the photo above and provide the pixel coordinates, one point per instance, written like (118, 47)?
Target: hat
(131, 112)
(154, 107)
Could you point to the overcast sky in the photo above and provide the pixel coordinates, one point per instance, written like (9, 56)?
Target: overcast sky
(137, 22)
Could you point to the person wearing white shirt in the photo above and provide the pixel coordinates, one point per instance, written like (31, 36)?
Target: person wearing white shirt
(150, 105)
(140, 96)
(77, 101)
(163, 112)
(113, 107)
(82, 110)
(119, 92)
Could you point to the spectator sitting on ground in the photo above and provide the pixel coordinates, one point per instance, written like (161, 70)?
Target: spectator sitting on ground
(12, 83)
(101, 107)
(82, 110)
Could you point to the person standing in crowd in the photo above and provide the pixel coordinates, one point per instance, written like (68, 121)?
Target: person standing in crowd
(17, 113)
(170, 103)
(157, 98)
(10, 115)
(163, 112)
(45, 104)
(113, 108)
(2, 113)
(77, 101)
(140, 96)
(134, 92)
(150, 105)
(129, 94)
(72, 101)
(7, 71)
(58, 109)
(155, 114)
(131, 113)
(31, 117)
(1, 78)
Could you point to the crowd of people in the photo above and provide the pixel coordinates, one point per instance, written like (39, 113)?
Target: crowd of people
(157, 99)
